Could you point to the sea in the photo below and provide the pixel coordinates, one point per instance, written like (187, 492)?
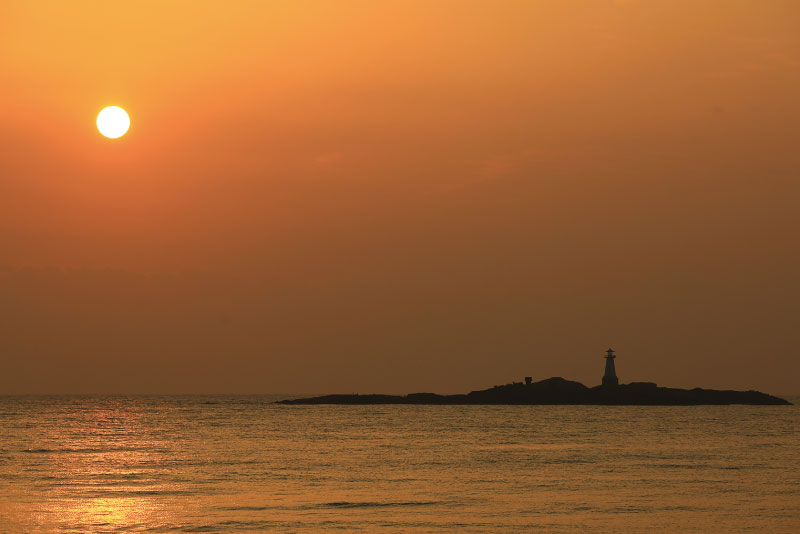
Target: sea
(91, 464)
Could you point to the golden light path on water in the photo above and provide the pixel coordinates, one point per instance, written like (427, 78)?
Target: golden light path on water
(100, 472)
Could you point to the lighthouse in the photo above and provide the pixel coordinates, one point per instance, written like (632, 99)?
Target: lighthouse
(610, 376)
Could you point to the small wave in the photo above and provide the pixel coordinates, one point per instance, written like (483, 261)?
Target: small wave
(247, 508)
(680, 466)
(685, 508)
(349, 504)
(89, 450)
(230, 526)
(334, 504)
(140, 493)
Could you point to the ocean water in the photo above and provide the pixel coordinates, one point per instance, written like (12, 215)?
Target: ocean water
(244, 464)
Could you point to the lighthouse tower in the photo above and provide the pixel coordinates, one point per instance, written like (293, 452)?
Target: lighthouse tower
(610, 376)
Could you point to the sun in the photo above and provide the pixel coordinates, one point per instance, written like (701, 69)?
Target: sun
(113, 122)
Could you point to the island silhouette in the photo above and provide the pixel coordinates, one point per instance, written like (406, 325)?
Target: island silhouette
(557, 390)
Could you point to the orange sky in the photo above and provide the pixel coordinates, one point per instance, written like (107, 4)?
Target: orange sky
(398, 196)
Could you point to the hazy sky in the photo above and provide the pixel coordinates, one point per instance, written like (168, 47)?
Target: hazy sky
(399, 196)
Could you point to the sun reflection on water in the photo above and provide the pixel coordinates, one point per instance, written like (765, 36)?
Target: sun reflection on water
(107, 470)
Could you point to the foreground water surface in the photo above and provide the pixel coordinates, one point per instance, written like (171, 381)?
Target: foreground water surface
(244, 464)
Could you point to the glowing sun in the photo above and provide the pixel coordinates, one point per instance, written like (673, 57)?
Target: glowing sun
(113, 122)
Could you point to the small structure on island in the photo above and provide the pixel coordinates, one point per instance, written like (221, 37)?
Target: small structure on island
(610, 376)
(528, 380)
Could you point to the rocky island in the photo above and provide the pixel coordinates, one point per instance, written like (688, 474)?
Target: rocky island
(557, 390)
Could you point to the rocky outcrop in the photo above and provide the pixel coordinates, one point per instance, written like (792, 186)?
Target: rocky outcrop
(557, 390)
